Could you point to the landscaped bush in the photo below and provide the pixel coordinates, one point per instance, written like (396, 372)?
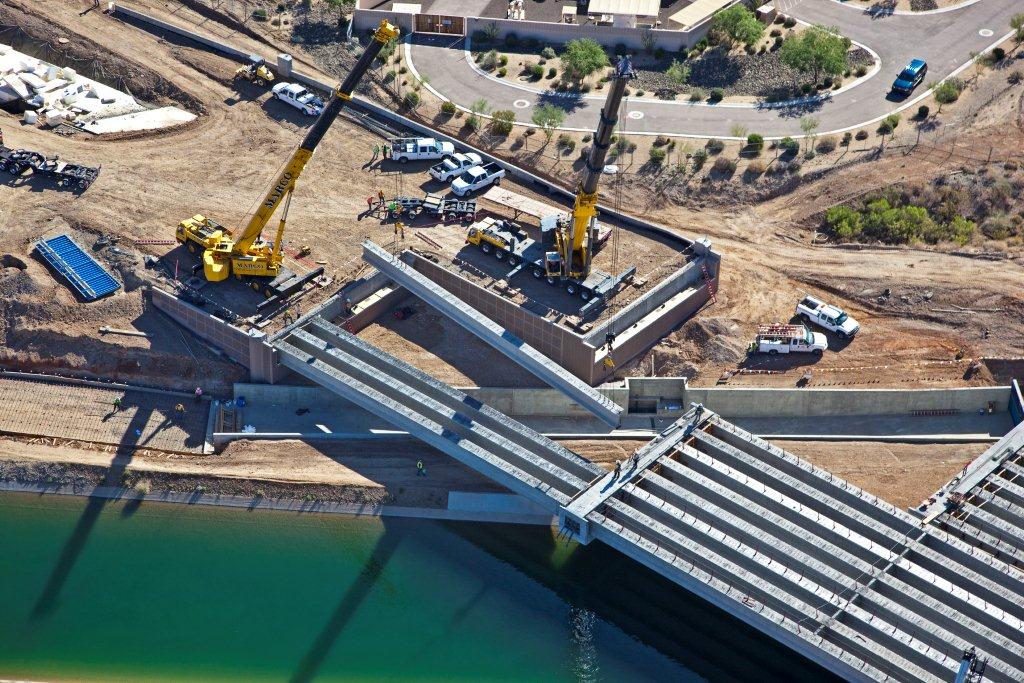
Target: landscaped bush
(696, 95)
(847, 136)
(755, 168)
(503, 60)
(448, 107)
(889, 124)
(949, 90)
(390, 75)
(260, 14)
(790, 22)
(826, 145)
(658, 155)
(536, 71)
(861, 135)
(661, 141)
(724, 165)
(716, 95)
(411, 99)
(715, 146)
(548, 53)
(699, 157)
(922, 112)
(502, 121)
(998, 54)
(502, 72)
(755, 143)
(552, 72)
(489, 62)
(861, 70)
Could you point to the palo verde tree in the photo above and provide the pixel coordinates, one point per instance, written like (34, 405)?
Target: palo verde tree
(548, 117)
(739, 24)
(582, 58)
(817, 50)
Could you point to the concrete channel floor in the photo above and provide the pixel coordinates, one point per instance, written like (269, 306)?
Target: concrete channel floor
(86, 413)
(342, 421)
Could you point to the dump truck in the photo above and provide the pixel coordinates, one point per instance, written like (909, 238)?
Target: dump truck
(777, 338)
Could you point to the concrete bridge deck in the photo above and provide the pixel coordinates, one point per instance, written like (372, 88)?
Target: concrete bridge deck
(847, 580)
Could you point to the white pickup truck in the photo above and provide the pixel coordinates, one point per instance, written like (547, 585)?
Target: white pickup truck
(454, 165)
(774, 339)
(478, 178)
(404, 150)
(824, 315)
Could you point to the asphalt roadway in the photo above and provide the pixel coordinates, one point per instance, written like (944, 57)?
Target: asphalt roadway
(945, 39)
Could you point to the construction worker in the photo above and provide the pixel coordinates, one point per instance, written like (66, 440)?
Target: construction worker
(609, 363)
(387, 152)
(179, 410)
(117, 403)
(380, 196)
(421, 471)
(369, 204)
(400, 229)
(199, 394)
(618, 469)
(376, 152)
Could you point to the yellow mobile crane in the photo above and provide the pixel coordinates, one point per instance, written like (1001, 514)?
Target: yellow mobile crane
(574, 235)
(250, 257)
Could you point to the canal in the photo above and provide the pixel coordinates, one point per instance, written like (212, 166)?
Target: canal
(95, 590)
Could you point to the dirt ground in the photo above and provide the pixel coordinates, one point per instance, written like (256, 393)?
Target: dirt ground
(385, 472)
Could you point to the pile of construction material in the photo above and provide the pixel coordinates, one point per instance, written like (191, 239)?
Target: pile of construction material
(52, 95)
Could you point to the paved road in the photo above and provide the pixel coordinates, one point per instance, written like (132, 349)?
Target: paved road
(945, 40)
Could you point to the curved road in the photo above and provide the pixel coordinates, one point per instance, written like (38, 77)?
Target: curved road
(945, 40)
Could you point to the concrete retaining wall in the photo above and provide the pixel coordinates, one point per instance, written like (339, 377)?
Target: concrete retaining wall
(768, 402)
(1016, 402)
(231, 340)
(365, 20)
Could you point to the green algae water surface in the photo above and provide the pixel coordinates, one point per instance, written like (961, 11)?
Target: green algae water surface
(103, 591)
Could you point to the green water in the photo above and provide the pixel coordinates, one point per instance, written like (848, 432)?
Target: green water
(91, 590)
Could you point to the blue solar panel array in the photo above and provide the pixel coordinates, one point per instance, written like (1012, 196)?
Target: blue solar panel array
(83, 273)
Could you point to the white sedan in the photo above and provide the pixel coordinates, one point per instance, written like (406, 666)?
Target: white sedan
(299, 97)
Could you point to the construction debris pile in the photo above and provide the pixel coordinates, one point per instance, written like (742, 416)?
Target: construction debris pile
(51, 95)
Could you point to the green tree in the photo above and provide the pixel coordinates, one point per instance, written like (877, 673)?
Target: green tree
(548, 117)
(1017, 24)
(844, 222)
(342, 6)
(582, 58)
(817, 50)
(478, 107)
(808, 124)
(678, 72)
(739, 23)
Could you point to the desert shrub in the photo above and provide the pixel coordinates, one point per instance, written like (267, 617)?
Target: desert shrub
(889, 124)
(699, 157)
(999, 226)
(657, 155)
(716, 95)
(548, 53)
(403, 70)
(948, 91)
(260, 14)
(922, 112)
(715, 146)
(536, 71)
(502, 72)
(844, 222)
(847, 136)
(826, 145)
(998, 54)
(724, 165)
(502, 121)
(696, 95)
(489, 62)
(552, 72)
(861, 135)
(789, 144)
(503, 60)
(894, 223)
(390, 75)
(1014, 78)
(755, 143)
(448, 107)
(661, 141)
(564, 140)
(755, 167)
(411, 99)
(793, 167)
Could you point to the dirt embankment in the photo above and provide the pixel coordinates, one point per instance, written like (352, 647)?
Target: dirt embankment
(100, 62)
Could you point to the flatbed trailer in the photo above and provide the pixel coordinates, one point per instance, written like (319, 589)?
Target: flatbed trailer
(433, 204)
(17, 161)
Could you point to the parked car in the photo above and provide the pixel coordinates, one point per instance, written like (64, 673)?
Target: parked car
(830, 317)
(911, 77)
(419, 149)
(454, 165)
(478, 178)
(299, 97)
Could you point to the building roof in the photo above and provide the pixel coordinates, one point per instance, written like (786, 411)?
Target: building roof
(640, 8)
(698, 11)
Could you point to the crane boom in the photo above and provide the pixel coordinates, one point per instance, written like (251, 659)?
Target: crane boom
(290, 174)
(573, 247)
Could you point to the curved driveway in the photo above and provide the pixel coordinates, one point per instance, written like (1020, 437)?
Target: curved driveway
(945, 40)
